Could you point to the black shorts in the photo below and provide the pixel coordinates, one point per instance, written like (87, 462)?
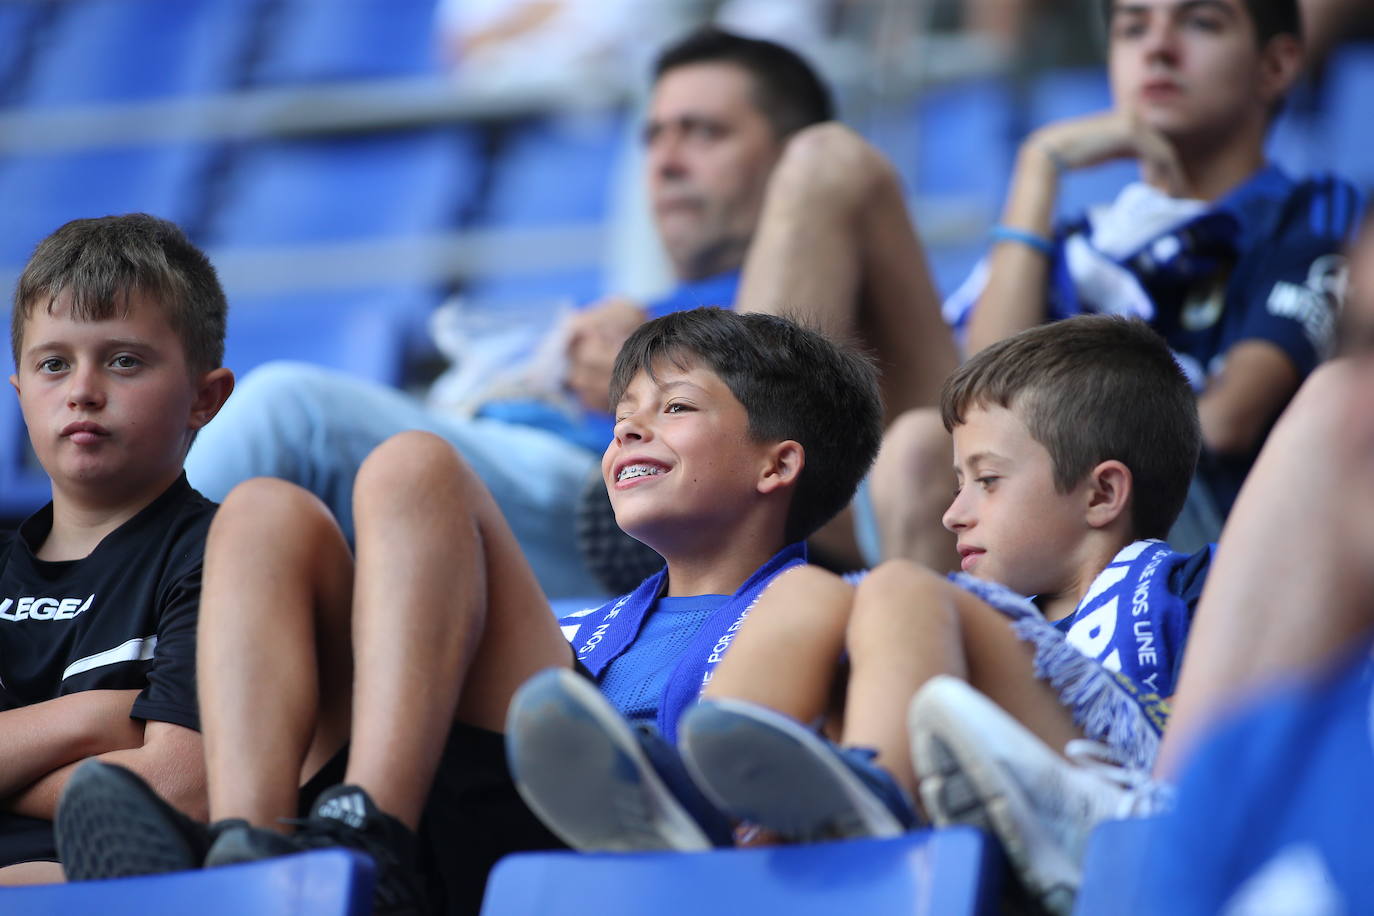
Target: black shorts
(26, 839)
(473, 817)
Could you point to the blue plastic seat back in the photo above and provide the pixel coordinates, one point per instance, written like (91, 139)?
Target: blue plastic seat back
(397, 184)
(23, 485)
(358, 332)
(1349, 88)
(96, 51)
(1111, 866)
(41, 191)
(965, 136)
(327, 40)
(332, 882)
(951, 872)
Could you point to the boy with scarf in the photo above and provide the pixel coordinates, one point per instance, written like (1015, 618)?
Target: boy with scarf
(1063, 497)
(736, 436)
(1237, 264)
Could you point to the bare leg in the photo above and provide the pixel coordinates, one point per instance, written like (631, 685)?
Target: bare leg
(911, 485)
(1294, 572)
(272, 654)
(786, 654)
(448, 618)
(909, 625)
(837, 248)
(32, 873)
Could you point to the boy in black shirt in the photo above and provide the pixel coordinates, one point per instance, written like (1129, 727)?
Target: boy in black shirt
(117, 336)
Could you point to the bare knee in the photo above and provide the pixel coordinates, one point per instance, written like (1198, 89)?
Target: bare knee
(831, 161)
(412, 463)
(267, 504)
(897, 588)
(911, 483)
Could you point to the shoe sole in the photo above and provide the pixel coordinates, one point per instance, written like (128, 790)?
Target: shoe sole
(580, 769)
(110, 824)
(767, 769)
(958, 785)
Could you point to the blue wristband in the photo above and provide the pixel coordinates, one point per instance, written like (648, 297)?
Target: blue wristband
(1000, 233)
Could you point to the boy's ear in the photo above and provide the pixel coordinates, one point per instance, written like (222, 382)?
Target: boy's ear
(1110, 486)
(14, 383)
(212, 391)
(785, 462)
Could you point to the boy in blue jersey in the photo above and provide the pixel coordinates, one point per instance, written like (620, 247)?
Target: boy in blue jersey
(736, 436)
(1263, 776)
(1236, 264)
(1064, 496)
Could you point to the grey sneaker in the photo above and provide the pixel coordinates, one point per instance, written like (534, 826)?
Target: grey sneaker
(111, 824)
(766, 768)
(597, 782)
(979, 766)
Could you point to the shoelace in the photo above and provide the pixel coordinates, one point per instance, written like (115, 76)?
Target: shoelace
(1143, 795)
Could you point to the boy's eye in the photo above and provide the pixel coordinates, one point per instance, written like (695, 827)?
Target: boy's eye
(125, 361)
(51, 364)
(676, 407)
(986, 481)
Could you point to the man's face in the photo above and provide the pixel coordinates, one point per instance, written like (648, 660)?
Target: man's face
(1191, 69)
(709, 154)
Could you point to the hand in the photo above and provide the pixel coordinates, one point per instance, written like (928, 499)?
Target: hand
(1082, 142)
(596, 336)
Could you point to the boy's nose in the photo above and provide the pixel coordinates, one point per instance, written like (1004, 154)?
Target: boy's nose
(955, 517)
(85, 391)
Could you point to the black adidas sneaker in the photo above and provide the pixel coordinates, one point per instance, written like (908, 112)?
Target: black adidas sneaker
(342, 816)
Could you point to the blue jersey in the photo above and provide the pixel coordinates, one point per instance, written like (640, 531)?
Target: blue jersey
(1135, 616)
(1262, 263)
(1274, 807)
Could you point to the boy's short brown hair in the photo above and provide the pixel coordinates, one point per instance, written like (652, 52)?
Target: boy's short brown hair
(1092, 389)
(100, 262)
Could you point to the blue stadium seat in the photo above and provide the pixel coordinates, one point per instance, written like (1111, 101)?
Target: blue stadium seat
(1060, 94)
(361, 333)
(1350, 129)
(1110, 866)
(556, 170)
(330, 882)
(1294, 143)
(325, 40)
(41, 191)
(132, 50)
(23, 485)
(397, 184)
(576, 285)
(965, 135)
(951, 872)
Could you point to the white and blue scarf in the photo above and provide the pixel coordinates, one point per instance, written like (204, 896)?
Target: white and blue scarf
(600, 636)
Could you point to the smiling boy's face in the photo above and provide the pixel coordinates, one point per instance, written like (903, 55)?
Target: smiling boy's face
(110, 405)
(681, 459)
(1013, 526)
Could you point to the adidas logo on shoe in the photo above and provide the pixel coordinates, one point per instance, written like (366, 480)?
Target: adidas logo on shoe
(350, 809)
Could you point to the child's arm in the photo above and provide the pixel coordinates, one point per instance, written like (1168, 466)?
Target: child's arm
(170, 758)
(37, 739)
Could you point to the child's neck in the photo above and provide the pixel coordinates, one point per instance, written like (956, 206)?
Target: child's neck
(1211, 175)
(79, 525)
(1089, 560)
(719, 572)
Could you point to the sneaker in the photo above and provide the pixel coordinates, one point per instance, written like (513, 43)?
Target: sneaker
(981, 767)
(343, 816)
(111, 824)
(599, 784)
(767, 769)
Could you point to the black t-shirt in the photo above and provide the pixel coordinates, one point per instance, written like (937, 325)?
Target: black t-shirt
(122, 618)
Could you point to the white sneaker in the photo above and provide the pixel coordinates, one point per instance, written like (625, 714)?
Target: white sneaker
(978, 765)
